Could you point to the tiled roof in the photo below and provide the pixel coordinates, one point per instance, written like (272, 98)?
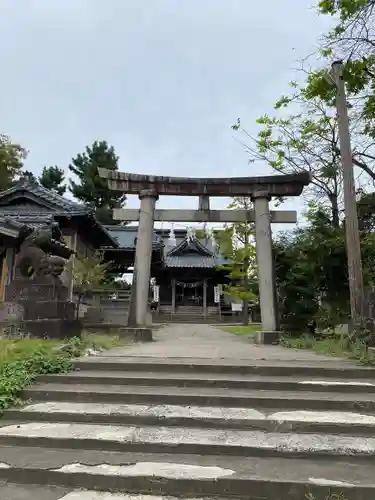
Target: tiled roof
(35, 220)
(126, 236)
(189, 252)
(190, 245)
(59, 202)
(190, 261)
(15, 224)
(52, 206)
(195, 261)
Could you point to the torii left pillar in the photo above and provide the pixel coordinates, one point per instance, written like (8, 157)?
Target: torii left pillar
(143, 253)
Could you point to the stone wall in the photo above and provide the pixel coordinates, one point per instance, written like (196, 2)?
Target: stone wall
(106, 307)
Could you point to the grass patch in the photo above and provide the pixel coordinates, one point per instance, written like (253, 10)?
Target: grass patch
(240, 329)
(331, 346)
(329, 496)
(101, 340)
(23, 359)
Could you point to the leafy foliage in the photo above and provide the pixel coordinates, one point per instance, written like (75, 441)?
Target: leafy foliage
(310, 263)
(351, 40)
(300, 141)
(236, 243)
(91, 188)
(89, 273)
(312, 276)
(302, 133)
(23, 369)
(12, 157)
(332, 345)
(353, 36)
(23, 359)
(53, 178)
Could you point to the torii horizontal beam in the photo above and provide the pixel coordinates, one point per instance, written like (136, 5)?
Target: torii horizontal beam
(274, 185)
(218, 216)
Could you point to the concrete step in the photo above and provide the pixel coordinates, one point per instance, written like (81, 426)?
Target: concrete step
(12, 491)
(292, 400)
(320, 369)
(272, 420)
(213, 380)
(195, 428)
(187, 476)
(245, 443)
(187, 320)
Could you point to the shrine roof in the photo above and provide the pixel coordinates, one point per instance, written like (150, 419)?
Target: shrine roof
(125, 236)
(195, 261)
(190, 245)
(192, 253)
(188, 252)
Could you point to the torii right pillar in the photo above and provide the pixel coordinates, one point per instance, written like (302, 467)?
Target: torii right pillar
(266, 270)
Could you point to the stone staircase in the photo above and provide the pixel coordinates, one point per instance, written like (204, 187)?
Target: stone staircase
(161, 429)
(187, 314)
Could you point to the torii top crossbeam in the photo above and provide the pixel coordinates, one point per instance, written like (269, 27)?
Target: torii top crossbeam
(273, 185)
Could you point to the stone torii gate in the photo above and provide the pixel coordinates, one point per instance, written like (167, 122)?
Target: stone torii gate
(259, 189)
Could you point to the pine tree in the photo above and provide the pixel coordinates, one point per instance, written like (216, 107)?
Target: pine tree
(91, 189)
(53, 178)
(12, 157)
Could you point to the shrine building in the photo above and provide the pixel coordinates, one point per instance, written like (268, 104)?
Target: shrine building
(186, 271)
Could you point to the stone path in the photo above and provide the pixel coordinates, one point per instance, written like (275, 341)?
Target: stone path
(200, 414)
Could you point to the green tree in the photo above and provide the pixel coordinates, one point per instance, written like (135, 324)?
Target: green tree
(89, 273)
(236, 242)
(361, 110)
(12, 157)
(311, 274)
(352, 40)
(353, 36)
(53, 178)
(92, 189)
(304, 139)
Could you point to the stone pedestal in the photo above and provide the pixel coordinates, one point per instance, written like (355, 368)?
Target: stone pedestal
(53, 328)
(136, 334)
(267, 338)
(42, 310)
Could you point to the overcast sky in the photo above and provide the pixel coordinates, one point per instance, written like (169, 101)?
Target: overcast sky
(161, 80)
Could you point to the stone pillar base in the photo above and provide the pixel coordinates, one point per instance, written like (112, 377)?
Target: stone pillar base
(149, 319)
(136, 334)
(52, 328)
(267, 338)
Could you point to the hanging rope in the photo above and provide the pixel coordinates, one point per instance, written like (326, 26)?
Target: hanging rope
(189, 285)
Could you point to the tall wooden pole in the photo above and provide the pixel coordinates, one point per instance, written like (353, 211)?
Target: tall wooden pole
(353, 246)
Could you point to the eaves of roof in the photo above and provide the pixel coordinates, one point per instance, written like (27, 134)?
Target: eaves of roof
(195, 261)
(190, 245)
(25, 186)
(126, 237)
